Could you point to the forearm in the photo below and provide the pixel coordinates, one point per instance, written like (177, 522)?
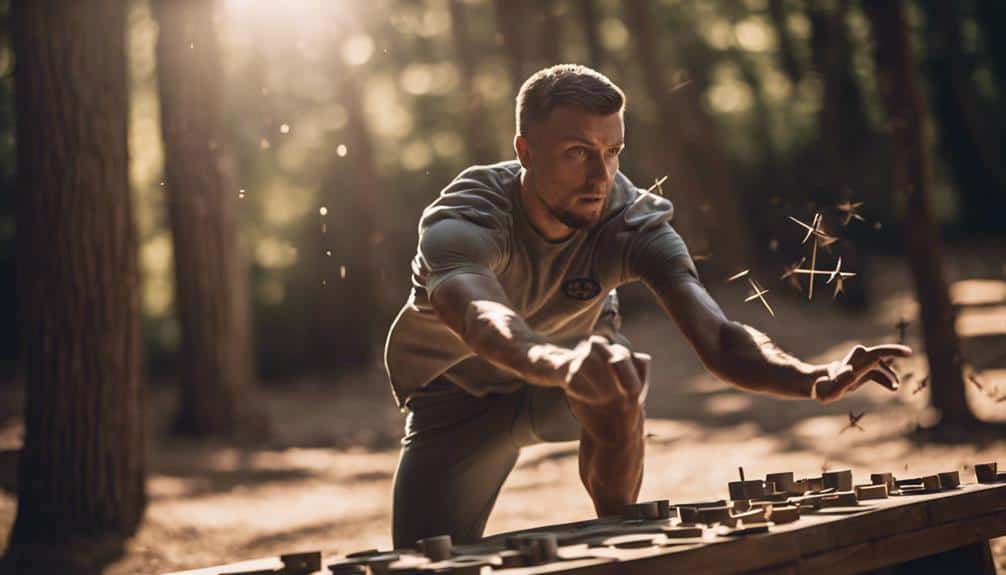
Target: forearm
(611, 460)
(749, 359)
(499, 335)
(733, 351)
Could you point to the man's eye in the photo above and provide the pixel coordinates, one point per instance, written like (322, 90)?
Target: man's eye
(614, 152)
(576, 153)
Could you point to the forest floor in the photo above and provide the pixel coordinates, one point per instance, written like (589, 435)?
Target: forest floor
(324, 480)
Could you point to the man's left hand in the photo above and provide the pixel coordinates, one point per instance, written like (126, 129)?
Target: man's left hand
(859, 366)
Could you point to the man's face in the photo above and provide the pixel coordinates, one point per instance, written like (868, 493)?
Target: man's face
(571, 160)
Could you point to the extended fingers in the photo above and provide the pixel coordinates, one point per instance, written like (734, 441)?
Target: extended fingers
(890, 350)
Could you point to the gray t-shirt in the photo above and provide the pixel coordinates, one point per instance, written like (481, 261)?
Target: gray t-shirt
(477, 225)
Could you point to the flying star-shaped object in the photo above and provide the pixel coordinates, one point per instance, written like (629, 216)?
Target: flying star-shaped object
(759, 293)
(656, 186)
(849, 210)
(738, 275)
(814, 229)
(836, 275)
(789, 274)
(838, 278)
(853, 422)
(902, 327)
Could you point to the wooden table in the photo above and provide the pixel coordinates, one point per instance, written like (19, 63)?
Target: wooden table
(936, 530)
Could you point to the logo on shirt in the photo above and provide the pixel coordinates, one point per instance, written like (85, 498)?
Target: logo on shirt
(582, 289)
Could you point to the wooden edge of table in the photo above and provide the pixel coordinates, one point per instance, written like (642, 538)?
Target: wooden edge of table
(887, 531)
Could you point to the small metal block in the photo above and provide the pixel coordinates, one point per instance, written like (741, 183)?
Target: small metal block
(511, 558)
(350, 568)
(682, 532)
(379, 563)
(436, 548)
(884, 478)
(301, 562)
(986, 472)
(365, 553)
(749, 529)
(932, 483)
(840, 480)
(750, 489)
(783, 482)
(878, 491)
(840, 499)
(753, 516)
(710, 515)
(648, 510)
(538, 548)
(950, 479)
(631, 541)
(785, 514)
(468, 564)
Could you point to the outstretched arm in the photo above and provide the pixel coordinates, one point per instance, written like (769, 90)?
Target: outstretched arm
(746, 357)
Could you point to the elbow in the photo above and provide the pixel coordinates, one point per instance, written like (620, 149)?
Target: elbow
(729, 359)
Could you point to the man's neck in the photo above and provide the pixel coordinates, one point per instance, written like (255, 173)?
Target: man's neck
(538, 214)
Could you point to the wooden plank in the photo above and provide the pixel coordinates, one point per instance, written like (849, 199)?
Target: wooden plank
(981, 499)
(902, 547)
(882, 532)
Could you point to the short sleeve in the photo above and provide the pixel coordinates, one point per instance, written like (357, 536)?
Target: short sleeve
(660, 258)
(454, 246)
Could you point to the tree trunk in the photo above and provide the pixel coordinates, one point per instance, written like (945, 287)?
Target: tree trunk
(787, 57)
(843, 131)
(974, 169)
(347, 300)
(904, 105)
(81, 473)
(589, 20)
(509, 22)
(703, 194)
(551, 33)
(216, 376)
(479, 149)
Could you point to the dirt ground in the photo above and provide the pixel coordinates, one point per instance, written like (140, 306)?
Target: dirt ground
(324, 481)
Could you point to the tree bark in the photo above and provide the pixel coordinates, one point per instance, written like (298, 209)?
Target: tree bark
(905, 109)
(973, 167)
(703, 196)
(81, 476)
(551, 33)
(843, 131)
(216, 376)
(787, 56)
(479, 150)
(589, 20)
(509, 22)
(347, 298)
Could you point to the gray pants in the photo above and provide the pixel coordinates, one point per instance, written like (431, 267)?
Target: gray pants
(457, 451)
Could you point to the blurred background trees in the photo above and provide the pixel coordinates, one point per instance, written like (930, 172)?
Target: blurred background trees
(280, 153)
(304, 139)
(308, 141)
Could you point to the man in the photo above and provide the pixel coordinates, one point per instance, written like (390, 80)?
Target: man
(508, 337)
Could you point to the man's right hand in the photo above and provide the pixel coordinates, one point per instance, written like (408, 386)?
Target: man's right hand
(600, 374)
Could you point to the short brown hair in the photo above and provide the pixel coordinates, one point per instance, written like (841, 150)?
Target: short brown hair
(565, 85)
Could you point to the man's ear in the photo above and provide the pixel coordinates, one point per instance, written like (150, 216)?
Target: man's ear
(523, 149)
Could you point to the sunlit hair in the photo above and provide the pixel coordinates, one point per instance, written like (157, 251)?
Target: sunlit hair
(566, 85)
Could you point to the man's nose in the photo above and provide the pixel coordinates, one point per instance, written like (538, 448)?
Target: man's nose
(598, 170)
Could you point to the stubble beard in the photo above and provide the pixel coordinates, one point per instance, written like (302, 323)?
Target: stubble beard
(568, 217)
